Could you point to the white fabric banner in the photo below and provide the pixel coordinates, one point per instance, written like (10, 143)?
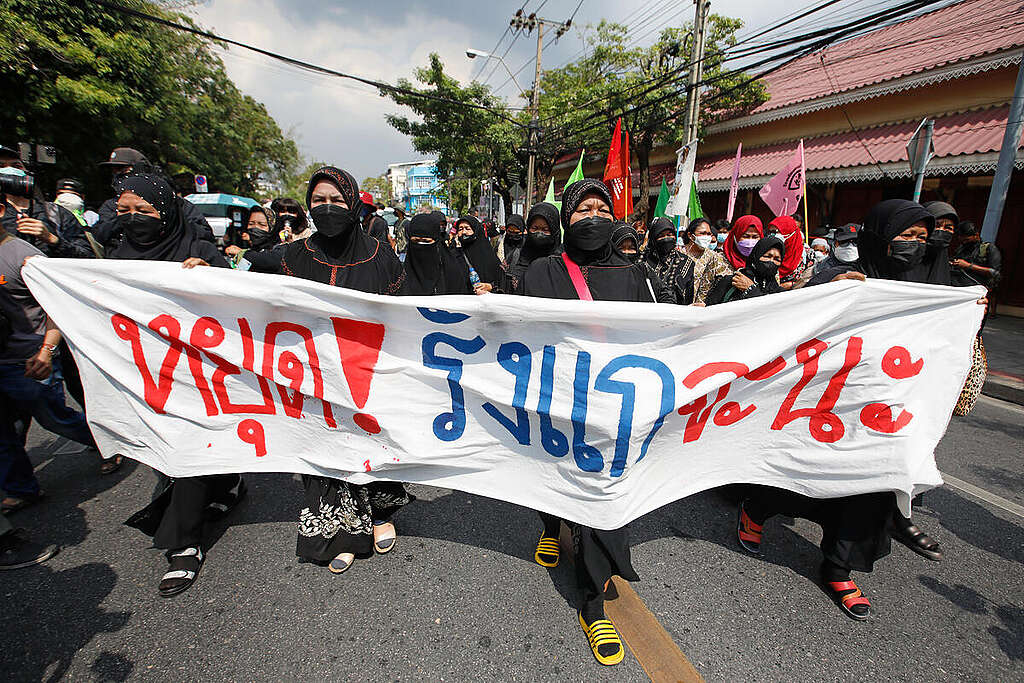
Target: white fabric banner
(595, 411)
(679, 202)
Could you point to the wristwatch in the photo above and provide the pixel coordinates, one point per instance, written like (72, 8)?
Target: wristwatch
(52, 348)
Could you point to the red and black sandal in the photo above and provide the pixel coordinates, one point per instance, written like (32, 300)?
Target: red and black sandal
(748, 532)
(849, 598)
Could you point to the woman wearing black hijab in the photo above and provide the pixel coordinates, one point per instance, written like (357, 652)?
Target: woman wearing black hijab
(757, 278)
(430, 266)
(475, 248)
(512, 240)
(259, 244)
(599, 272)
(543, 238)
(340, 520)
(154, 230)
(626, 240)
(662, 257)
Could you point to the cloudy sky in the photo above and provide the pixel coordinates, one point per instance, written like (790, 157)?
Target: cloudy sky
(343, 122)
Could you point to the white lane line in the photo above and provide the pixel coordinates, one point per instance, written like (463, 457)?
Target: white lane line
(982, 494)
(999, 403)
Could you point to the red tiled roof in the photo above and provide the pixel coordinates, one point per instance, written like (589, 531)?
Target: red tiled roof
(968, 29)
(969, 133)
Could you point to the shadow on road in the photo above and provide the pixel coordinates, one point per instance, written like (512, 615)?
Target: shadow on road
(40, 643)
(1009, 636)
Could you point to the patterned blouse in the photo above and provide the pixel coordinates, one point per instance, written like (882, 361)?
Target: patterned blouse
(707, 268)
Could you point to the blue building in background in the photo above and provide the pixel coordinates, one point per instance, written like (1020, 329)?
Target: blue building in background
(421, 187)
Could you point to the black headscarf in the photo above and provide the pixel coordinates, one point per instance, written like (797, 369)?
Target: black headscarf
(268, 241)
(432, 269)
(651, 254)
(177, 240)
(622, 232)
(516, 220)
(885, 221)
(353, 259)
(755, 269)
(481, 254)
(523, 256)
(608, 274)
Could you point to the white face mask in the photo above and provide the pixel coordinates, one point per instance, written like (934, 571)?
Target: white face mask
(847, 253)
(704, 241)
(71, 202)
(819, 256)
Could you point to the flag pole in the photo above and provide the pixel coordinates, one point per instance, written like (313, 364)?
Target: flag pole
(803, 181)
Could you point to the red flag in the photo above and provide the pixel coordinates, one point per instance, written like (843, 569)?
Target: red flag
(613, 175)
(628, 175)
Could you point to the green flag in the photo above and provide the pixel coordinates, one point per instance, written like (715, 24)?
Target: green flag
(694, 210)
(659, 209)
(578, 173)
(550, 196)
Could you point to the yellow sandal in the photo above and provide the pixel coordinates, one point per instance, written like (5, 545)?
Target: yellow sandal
(602, 632)
(547, 547)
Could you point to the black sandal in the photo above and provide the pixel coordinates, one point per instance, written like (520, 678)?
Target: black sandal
(910, 535)
(182, 569)
(111, 465)
(219, 510)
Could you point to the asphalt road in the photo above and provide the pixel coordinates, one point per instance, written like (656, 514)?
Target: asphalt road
(460, 597)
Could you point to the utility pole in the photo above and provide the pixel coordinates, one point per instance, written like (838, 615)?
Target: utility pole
(1004, 167)
(528, 23)
(700, 29)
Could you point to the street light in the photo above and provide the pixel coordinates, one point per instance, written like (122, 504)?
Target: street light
(473, 54)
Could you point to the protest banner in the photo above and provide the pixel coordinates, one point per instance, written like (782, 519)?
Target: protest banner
(598, 412)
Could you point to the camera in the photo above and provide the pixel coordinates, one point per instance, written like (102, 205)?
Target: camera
(20, 186)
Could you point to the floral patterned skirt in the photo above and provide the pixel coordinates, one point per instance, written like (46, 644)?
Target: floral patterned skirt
(337, 517)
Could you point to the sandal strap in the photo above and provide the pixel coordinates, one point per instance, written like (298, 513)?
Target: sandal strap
(601, 632)
(548, 544)
(189, 552)
(179, 574)
(749, 524)
(850, 594)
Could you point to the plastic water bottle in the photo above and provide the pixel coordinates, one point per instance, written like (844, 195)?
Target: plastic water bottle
(474, 279)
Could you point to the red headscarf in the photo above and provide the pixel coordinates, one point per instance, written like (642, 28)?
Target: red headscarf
(732, 253)
(789, 230)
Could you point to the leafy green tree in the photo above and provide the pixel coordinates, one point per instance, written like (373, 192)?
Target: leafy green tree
(467, 142)
(294, 185)
(378, 185)
(580, 101)
(86, 79)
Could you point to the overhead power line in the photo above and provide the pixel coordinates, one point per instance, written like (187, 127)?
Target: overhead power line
(380, 85)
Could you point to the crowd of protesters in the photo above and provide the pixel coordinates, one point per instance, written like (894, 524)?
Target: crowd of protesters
(337, 237)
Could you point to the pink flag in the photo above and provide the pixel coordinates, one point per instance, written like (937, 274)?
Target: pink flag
(735, 185)
(783, 192)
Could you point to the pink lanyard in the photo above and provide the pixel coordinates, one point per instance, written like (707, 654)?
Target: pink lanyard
(576, 275)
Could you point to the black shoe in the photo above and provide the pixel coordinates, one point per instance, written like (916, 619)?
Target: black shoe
(17, 550)
(182, 569)
(909, 534)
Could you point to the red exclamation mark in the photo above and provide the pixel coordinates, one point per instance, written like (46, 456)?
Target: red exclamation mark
(359, 344)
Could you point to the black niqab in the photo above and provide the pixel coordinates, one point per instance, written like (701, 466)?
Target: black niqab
(651, 253)
(527, 254)
(432, 269)
(885, 221)
(480, 253)
(354, 259)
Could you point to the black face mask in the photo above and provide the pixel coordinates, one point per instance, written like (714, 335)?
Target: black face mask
(634, 257)
(466, 240)
(258, 239)
(589, 234)
(665, 245)
(765, 270)
(540, 241)
(332, 220)
(513, 240)
(940, 238)
(422, 247)
(906, 254)
(142, 231)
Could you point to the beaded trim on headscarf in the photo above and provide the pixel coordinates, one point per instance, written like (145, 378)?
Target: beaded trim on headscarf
(573, 195)
(343, 180)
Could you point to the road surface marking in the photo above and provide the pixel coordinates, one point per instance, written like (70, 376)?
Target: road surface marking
(982, 494)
